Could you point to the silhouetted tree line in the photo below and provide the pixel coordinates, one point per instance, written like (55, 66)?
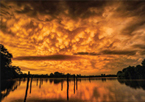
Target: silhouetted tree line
(57, 74)
(7, 70)
(132, 72)
(62, 75)
(52, 75)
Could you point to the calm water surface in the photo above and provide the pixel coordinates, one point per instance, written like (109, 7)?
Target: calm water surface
(80, 90)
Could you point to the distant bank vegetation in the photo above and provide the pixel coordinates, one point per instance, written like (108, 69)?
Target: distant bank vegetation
(133, 72)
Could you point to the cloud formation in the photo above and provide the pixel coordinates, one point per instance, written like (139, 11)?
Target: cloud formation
(119, 52)
(104, 28)
(111, 52)
(51, 57)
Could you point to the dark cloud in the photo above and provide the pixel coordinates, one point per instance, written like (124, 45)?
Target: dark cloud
(142, 52)
(114, 52)
(130, 28)
(50, 57)
(54, 7)
(140, 46)
(81, 53)
(77, 8)
(119, 52)
(80, 8)
(86, 53)
(32, 69)
(131, 8)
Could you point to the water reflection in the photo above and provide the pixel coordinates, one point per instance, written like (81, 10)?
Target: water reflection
(72, 89)
(7, 87)
(133, 83)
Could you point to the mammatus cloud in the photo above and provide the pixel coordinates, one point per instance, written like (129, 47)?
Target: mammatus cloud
(105, 28)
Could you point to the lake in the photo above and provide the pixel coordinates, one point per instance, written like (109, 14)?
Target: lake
(73, 90)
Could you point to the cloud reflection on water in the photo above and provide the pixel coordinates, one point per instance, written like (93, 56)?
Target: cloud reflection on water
(87, 91)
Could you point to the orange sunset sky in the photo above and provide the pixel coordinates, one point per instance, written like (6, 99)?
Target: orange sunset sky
(79, 37)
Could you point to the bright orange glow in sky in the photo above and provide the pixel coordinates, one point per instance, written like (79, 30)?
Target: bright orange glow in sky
(95, 36)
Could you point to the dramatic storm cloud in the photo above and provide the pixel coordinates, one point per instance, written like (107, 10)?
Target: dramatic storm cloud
(110, 32)
(51, 57)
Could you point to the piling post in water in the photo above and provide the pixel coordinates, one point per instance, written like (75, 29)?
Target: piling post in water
(27, 86)
(89, 79)
(62, 85)
(31, 84)
(37, 83)
(74, 84)
(40, 83)
(67, 87)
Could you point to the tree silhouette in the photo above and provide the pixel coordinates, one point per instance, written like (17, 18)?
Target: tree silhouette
(143, 62)
(132, 72)
(5, 56)
(8, 71)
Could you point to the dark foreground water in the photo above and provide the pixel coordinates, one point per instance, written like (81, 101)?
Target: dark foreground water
(80, 90)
